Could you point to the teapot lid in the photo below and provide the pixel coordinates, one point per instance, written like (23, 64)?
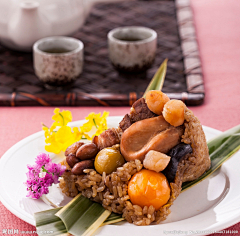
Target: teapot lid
(29, 5)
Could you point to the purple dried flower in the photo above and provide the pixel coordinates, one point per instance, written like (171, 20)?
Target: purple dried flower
(42, 175)
(42, 159)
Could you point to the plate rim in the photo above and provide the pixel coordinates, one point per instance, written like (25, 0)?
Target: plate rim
(26, 217)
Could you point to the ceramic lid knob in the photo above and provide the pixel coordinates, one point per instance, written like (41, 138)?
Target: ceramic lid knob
(29, 5)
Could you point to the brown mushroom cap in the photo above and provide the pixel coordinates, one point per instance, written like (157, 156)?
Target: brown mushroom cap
(149, 134)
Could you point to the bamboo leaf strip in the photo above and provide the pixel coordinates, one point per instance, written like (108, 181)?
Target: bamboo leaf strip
(113, 218)
(47, 221)
(220, 139)
(93, 227)
(230, 144)
(74, 210)
(112, 221)
(55, 229)
(47, 218)
(96, 211)
(82, 216)
(158, 79)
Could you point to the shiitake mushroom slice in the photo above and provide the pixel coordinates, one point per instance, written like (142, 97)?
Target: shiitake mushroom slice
(176, 154)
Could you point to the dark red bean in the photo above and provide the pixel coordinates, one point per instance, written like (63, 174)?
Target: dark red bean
(73, 148)
(87, 151)
(72, 160)
(80, 166)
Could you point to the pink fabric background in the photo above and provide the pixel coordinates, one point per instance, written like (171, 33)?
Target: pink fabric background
(218, 31)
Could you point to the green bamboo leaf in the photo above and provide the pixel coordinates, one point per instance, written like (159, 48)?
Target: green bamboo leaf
(113, 218)
(158, 79)
(224, 148)
(82, 217)
(220, 139)
(47, 221)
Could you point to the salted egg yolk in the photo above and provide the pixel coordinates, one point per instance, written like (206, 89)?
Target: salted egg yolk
(147, 188)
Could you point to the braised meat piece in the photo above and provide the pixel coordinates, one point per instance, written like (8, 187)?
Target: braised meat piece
(152, 134)
(108, 138)
(140, 111)
(125, 123)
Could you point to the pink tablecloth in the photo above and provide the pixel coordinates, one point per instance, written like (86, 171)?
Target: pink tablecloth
(217, 24)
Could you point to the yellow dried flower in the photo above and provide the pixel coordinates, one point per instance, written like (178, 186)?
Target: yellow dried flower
(97, 121)
(60, 136)
(61, 118)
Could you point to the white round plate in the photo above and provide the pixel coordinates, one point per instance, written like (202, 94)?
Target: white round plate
(212, 205)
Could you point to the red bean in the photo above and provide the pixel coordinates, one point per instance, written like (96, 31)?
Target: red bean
(72, 160)
(87, 151)
(80, 166)
(73, 148)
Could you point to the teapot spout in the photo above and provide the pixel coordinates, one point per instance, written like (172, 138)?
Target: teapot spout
(28, 25)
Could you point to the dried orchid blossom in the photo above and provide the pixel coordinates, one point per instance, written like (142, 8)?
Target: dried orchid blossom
(60, 136)
(42, 175)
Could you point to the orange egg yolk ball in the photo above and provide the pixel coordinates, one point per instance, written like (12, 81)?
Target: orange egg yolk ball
(147, 188)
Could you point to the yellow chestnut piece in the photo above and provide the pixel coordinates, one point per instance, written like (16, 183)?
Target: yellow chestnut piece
(108, 160)
(173, 112)
(156, 100)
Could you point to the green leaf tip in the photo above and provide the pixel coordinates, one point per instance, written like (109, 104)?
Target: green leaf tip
(158, 79)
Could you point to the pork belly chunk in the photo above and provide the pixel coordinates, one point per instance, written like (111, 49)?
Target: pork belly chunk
(108, 138)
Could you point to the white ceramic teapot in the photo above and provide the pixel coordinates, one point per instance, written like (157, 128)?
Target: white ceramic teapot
(23, 22)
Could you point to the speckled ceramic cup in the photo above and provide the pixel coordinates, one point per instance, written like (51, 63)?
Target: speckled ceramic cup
(58, 61)
(132, 48)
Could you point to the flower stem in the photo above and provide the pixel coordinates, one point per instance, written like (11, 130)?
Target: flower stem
(62, 118)
(95, 123)
(44, 125)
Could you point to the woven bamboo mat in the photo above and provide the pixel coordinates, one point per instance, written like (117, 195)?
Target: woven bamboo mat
(100, 83)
